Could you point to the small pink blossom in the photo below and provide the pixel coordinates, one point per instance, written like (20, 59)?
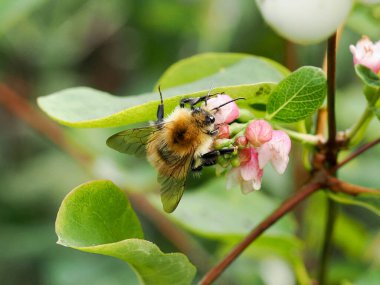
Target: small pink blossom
(276, 151)
(248, 174)
(258, 132)
(241, 141)
(224, 131)
(367, 53)
(225, 114)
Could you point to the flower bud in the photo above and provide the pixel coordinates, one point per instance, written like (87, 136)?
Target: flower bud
(221, 143)
(367, 53)
(224, 131)
(235, 161)
(258, 132)
(241, 142)
(225, 114)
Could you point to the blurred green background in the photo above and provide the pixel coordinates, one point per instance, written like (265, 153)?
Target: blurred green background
(122, 47)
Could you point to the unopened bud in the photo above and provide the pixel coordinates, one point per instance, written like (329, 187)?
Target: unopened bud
(258, 132)
(241, 142)
(235, 162)
(222, 143)
(224, 131)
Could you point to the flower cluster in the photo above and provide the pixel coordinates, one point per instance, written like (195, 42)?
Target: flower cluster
(257, 144)
(367, 53)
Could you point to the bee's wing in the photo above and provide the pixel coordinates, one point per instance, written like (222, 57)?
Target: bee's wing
(173, 186)
(132, 141)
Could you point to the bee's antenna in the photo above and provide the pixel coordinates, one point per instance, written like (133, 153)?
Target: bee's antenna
(240, 98)
(209, 93)
(159, 90)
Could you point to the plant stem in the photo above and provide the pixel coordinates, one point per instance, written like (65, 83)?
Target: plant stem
(332, 211)
(300, 137)
(287, 206)
(23, 110)
(331, 158)
(331, 64)
(348, 188)
(356, 153)
(360, 125)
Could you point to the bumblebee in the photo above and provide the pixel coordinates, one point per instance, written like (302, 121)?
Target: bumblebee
(175, 145)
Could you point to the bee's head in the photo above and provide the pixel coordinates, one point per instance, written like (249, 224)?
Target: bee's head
(203, 117)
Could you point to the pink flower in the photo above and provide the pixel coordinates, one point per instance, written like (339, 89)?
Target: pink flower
(258, 132)
(224, 131)
(276, 151)
(241, 141)
(248, 174)
(225, 114)
(367, 53)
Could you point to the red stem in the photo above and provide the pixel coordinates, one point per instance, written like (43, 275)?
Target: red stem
(356, 153)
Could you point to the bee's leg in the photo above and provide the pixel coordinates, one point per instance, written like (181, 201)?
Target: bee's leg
(196, 165)
(197, 168)
(160, 109)
(213, 133)
(190, 101)
(160, 113)
(210, 158)
(193, 101)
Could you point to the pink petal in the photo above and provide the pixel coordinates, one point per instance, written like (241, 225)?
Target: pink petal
(257, 183)
(265, 155)
(280, 164)
(277, 151)
(283, 141)
(250, 170)
(367, 53)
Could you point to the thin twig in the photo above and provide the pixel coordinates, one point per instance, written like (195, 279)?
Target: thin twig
(22, 109)
(348, 188)
(332, 212)
(338, 37)
(360, 125)
(331, 64)
(331, 158)
(286, 207)
(356, 153)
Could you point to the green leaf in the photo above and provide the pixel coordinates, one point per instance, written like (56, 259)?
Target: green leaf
(94, 213)
(368, 201)
(367, 76)
(371, 86)
(97, 217)
(214, 212)
(235, 68)
(297, 96)
(235, 74)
